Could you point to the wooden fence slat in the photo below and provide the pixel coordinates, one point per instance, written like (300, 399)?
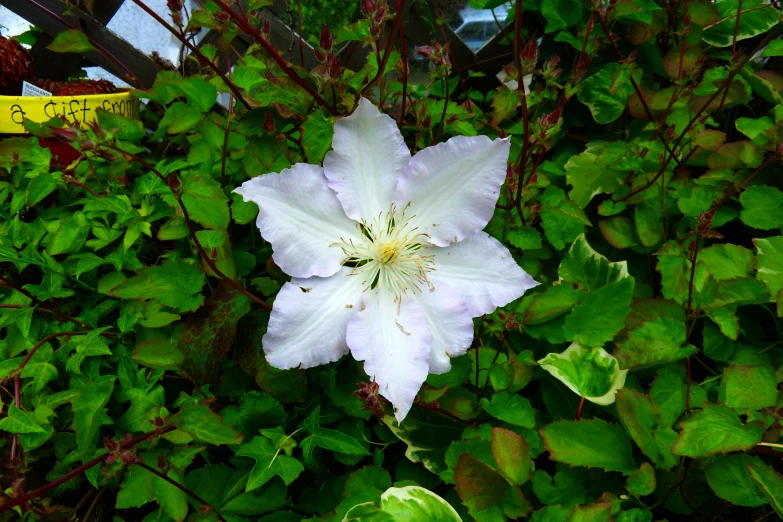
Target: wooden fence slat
(143, 66)
(49, 65)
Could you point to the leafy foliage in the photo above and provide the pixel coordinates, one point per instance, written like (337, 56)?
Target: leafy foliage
(638, 382)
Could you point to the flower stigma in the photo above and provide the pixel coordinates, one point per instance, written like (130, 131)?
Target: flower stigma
(389, 255)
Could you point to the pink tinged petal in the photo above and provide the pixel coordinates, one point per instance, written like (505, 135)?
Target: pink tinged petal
(395, 347)
(365, 163)
(482, 271)
(450, 323)
(453, 186)
(309, 320)
(302, 219)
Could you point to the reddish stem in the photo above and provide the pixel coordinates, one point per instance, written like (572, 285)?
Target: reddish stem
(178, 35)
(98, 46)
(189, 225)
(579, 409)
(249, 29)
(43, 490)
(179, 486)
(387, 50)
(404, 55)
(42, 304)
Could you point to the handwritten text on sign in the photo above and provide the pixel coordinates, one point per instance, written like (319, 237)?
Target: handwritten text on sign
(80, 109)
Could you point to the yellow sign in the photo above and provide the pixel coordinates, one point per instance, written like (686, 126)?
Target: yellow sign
(79, 109)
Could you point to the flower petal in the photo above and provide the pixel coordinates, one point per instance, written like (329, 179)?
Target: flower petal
(482, 271)
(365, 163)
(309, 319)
(302, 218)
(450, 323)
(453, 186)
(395, 347)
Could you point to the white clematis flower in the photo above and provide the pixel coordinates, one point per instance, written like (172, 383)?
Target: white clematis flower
(386, 251)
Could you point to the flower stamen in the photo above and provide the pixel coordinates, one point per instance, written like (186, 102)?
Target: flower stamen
(390, 256)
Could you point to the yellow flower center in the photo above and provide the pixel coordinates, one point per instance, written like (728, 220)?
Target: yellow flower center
(389, 256)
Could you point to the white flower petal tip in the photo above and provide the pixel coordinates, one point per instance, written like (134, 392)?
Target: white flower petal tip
(482, 271)
(368, 153)
(591, 373)
(450, 323)
(452, 187)
(309, 320)
(394, 343)
(302, 219)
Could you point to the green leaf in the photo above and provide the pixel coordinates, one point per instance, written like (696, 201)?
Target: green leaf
(512, 455)
(210, 331)
(478, 485)
(730, 479)
(560, 14)
(648, 224)
(728, 261)
(716, 429)
(754, 21)
(773, 48)
(552, 302)
(71, 41)
(177, 285)
(770, 266)
(669, 391)
(40, 187)
(600, 316)
(642, 418)
(200, 93)
(205, 201)
(417, 504)
(19, 421)
(317, 131)
(179, 118)
(607, 92)
(89, 345)
(589, 372)
(642, 483)
(88, 411)
(157, 354)
(619, 231)
(511, 408)
(753, 387)
(201, 423)
(269, 463)
(562, 219)
(654, 333)
(597, 170)
(771, 485)
(762, 207)
(505, 103)
(584, 265)
(332, 440)
(566, 488)
(592, 443)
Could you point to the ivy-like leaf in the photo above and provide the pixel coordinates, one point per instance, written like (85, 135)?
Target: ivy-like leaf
(269, 463)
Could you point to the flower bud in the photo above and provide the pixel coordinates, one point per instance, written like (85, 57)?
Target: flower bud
(326, 42)
(368, 7)
(66, 134)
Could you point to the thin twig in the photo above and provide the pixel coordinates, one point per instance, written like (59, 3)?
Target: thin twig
(204, 503)
(42, 304)
(101, 49)
(249, 29)
(43, 490)
(189, 225)
(195, 50)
